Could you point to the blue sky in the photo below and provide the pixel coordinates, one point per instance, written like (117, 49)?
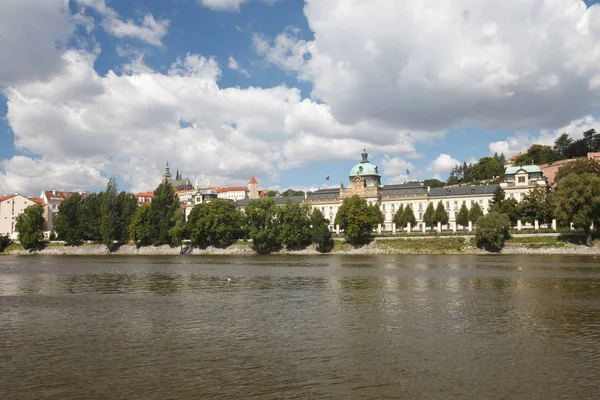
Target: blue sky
(288, 91)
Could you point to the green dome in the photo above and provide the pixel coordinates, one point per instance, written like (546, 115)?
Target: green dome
(364, 167)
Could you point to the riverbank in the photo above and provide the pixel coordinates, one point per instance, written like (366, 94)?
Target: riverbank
(417, 245)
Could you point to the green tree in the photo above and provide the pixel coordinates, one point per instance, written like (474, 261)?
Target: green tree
(139, 228)
(434, 183)
(292, 192)
(497, 199)
(4, 242)
(67, 223)
(538, 205)
(178, 231)
(429, 216)
(91, 217)
(511, 209)
(440, 214)
(30, 225)
(408, 216)
(491, 232)
(197, 225)
(537, 154)
(578, 201)
(462, 218)
(356, 219)
(126, 207)
(397, 219)
(162, 213)
(263, 225)
(578, 148)
(561, 145)
(222, 223)
(294, 225)
(272, 193)
(475, 213)
(592, 140)
(579, 166)
(320, 233)
(486, 168)
(376, 214)
(109, 211)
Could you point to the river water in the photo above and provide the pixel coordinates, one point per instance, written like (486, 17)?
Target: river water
(341, 327)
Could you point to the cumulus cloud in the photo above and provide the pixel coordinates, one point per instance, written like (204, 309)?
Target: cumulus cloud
(33, 34)
(235, 66)
(442, 165)
(148, 29)
(435, 64)
(522, 141)
(395, 169)
(228, 5)
(127, 125)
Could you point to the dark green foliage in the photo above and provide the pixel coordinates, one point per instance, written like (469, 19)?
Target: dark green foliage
(320, 233)
(4, 242)
(440, 214)
(537, 154)
(197, 224)
(429, 216)
(263, 225)
(497, 199)
(512, 209)
(91, 217)
(538, 205)
(126, 206)
(222, 223)
(408, 216)
(578, 148)
(462, 218)
(578, 201)
(592, 140)
(30, 225)
(67, 223)
(356, 218)
(434, 183)
(579, 166)
(475, 213)
(376, 214)
(178, 231)
(491, 232)
(291, 192)
(109, 211)
(162, 214)
(486, 168)
(139, 228)
(272, 193)
(397, 219)
(562, 144)
(294, 225)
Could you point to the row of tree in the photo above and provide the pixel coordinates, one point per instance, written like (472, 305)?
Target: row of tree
(486, 168)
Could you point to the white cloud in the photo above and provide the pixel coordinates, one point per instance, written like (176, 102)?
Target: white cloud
(148, 30)
(520, 142)
(127, 125)
(33, 34)
(228, 5)
(435, 64)
(235, 66)
(442, 165)
(397, 170)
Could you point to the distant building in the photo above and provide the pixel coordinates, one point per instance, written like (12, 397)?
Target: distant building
(12, 206)
(144, 197)
(232, 192)
(190, 198)
(519, 180)
(253, 192)
(179, 183)
(54, 198)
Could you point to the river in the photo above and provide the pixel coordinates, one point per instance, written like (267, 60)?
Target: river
(341, 327)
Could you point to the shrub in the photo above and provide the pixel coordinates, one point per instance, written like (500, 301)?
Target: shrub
(492, 231)
(4, 242)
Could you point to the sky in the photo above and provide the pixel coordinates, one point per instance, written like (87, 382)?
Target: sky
(288, 91)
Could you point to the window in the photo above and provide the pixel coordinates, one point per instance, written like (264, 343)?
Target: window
(521, 179)
(383, 207)
(393, 207)
(512, 195)
(480, 201)
(420, 215)
(420, 206)
(455, 203)
(447, 204)
(472, 202)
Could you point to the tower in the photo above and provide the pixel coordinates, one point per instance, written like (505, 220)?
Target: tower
(167, 174)
(253, 188)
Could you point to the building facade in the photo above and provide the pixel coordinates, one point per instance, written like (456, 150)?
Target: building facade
(12, 206)
(520, 180)
(53, 199)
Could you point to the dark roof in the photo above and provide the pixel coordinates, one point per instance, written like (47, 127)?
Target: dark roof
(278, 200)
(325, 194)
(404, 189)
(462, 190)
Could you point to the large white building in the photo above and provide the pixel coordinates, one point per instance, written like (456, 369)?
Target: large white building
(11, 207)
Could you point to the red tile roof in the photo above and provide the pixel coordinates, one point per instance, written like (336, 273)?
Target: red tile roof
(10, 196)
(61, 195)
(253, 181)
(37, 200)
(145, 194)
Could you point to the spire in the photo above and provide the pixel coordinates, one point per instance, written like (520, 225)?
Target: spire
(177, 175)
(365, 156)
(167, 174)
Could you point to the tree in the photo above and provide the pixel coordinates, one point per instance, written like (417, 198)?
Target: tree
(356, 219)
(429, 216)
(178, 230)
(109, 211)
(538, 205)
(592, 140)
(408, 217)
(434, 183)
(497, 199)
(578, 166)
(263, 225)
(162, 212)
(4, 242)
(492, 230)
(272, 193)
(578, 148)
(67, 223)
(294, 225)
(561, 145)
(475, 213)
(197, 225)
(91, 217)
(320, 233)
(511, 209)
(30, 225)
(126, 207)
(440, 214)
(291, 192)
(139, 228)
(397, 219)
(537, 154)
(463, 216)
(486, 168)
(578, 201)
(376, 214)
(222, 223)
